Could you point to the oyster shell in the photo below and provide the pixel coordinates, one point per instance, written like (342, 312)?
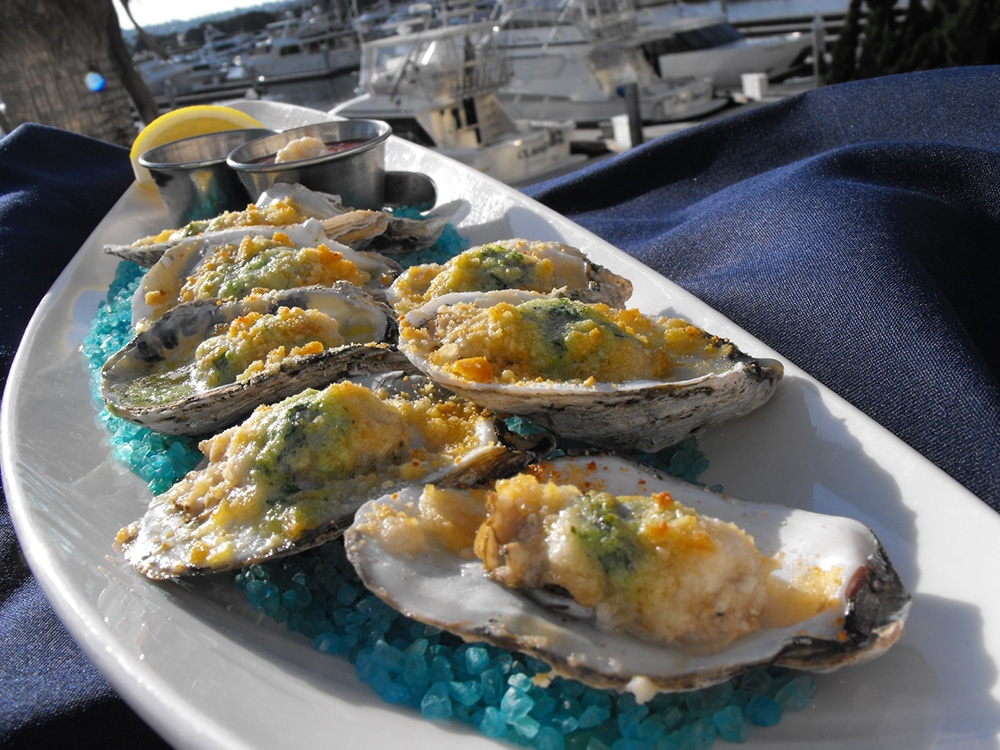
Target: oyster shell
(224, 271)
(165, 379)
(579, 386)
(862, 612)
(284, 206)
(399, 234)
(292, 474)
(545, 267)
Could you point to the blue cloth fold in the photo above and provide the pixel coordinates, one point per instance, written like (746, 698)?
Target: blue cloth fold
(851, 228)
(54, 189)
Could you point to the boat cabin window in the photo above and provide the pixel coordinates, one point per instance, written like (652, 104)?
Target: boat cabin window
(409, 129)
(708, 36)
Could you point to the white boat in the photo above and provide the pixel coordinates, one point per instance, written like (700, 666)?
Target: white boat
(312, 45)
(574, 59)
(208, 71)
(437, 87)
(711, 47)
(164, 77)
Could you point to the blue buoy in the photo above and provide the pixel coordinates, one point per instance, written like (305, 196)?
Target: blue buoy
(95, 81)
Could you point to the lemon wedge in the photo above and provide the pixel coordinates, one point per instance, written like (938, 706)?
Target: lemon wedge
(184, 122)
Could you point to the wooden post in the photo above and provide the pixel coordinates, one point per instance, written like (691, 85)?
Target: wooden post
(819, 49)
(634, 114)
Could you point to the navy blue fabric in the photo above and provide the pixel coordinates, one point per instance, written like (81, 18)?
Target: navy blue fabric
(853, 228)
(54, 188)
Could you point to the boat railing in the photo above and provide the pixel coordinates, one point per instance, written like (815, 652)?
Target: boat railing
(476, 65)
(487, 73)
(595, 20)
(470, 79)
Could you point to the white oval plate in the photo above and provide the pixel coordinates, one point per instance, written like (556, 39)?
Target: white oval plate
(206, 671)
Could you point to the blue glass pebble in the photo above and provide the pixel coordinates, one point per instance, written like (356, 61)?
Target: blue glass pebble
(796, 694)
(389, 690)
(710, 699)
(416, 672)
(436, 704)
(515, 704)
(466, 692)
(634, 743)
(593, 716)
(549, 738)
(756, 681)
(650, 730)
(763, 711)
(592, 697)
(388, 657)
(545, 704)
(566, 723)
(520, 680)
(493, 724)
(672, 716)
(477, 659)
(696, 735)
(525, 726)
(628, 724)
(346, 595)
(327, 642)
(493, 685)
(441, 670)
(730, 724)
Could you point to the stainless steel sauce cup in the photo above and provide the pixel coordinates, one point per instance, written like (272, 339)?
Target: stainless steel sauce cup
(355, 170)
(193, 178)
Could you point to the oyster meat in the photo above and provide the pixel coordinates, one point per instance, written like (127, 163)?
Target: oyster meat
(614, 379)
(545, 267)
(613, 573)
(206, 364)
(293, 473)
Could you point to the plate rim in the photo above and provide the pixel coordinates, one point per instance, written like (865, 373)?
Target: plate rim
(145, 691)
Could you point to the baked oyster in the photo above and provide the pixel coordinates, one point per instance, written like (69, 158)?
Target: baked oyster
(618, 576)
(204, 365)
(615, 379)
(283, 206)
(396, 234)
(536, 266)
(299, 256)
(293, 473)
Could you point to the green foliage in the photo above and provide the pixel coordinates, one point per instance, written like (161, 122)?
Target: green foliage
(876, 40)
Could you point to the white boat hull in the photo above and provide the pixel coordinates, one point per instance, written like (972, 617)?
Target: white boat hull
(710, 47)
(558, 73)
(725, 65)
(535, 149)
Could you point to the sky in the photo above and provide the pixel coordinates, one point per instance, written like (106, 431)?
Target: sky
(152, 12)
